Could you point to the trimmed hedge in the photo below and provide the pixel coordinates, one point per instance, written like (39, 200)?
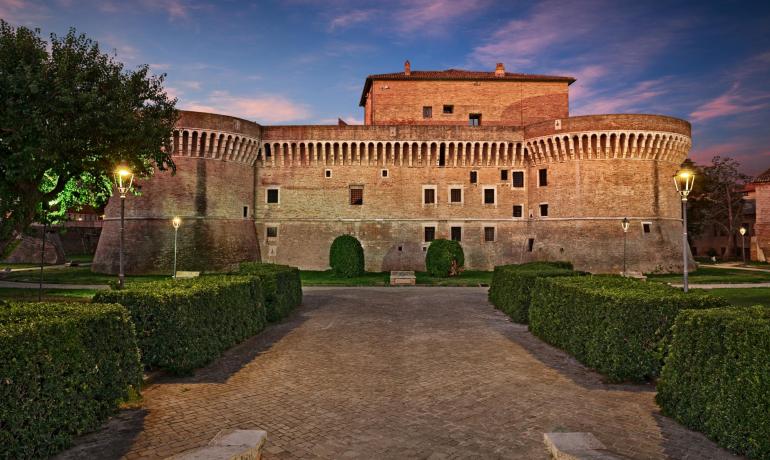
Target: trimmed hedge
(616, 325)
(346, 256)
(64, 367)
(185, 324)
(511, 286)
(717, 377)
(281, 287)
(441, 253)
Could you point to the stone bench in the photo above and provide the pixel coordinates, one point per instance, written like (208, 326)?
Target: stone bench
(187, 275)
(402, 278)
(229, 445)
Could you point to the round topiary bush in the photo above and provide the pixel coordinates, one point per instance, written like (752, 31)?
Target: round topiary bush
(346, 256)
(440, 257)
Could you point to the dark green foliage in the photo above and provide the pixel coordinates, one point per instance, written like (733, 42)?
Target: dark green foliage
(346, 256)
(511, 286)
(616, 325)
(184, 324)
(64, 367)
(441, 253)
(69, 114)
(281, 287)
(717, 377)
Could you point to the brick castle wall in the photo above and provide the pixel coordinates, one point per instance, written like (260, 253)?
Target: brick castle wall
(762, 225)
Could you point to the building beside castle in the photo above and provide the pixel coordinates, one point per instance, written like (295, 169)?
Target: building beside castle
(491, 159)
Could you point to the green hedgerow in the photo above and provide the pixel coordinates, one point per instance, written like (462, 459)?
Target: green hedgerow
(618, 326)
(281, 287)
(64, 368)
(510, 291)
(346, 256)
(443, 257)
(185, 324)
(716, 377)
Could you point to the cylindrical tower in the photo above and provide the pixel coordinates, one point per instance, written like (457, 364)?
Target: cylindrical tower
(212, 191)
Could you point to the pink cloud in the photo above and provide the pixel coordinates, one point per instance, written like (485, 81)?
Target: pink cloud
(262, 109)
(348, 19)
(624, 100)
(735, 101)
(21, 11)
(431, 16)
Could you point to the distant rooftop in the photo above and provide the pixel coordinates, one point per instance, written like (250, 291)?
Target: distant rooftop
(762, 178)
(458, 74)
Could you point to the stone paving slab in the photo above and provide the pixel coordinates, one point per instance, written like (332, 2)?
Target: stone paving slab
(25, 285)
(414, 372)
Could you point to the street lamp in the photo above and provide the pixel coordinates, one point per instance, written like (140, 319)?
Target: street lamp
(625, 223)
(683, 180)
(123, 180)
(176, 222)
(742, 231)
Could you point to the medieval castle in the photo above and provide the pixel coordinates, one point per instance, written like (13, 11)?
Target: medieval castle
(491, 159)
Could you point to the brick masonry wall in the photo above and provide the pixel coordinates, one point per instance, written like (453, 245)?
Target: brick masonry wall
(397, 102)
(209, 196)
(762, 226)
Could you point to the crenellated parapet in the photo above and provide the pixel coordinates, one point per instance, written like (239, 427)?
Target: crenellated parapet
(644, 137)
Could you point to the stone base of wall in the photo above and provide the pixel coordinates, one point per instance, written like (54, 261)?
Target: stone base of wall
(591, 245)
(205, 245)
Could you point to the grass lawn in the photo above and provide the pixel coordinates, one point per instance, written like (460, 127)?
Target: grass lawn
(15, 266)
(74, 275)
(82, 258)
(715, 275)
(57, 295)
(466, 278)
(327, 278)
(744, 297)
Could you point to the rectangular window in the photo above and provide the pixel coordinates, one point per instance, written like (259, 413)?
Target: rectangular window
(272, 195)
(455, 195)
(427, 112)
(646, 227)
(543, 210)
(272, 232)
(429, 196)
(474, 177)
(384, 173)
(504, 175)
(489, 196)
(518, 210)
(518, 179)
(474, 119)
(530, 244)
(356, 196)
(449, 109)
(245, 212)
(489, 234)
(542, 177)
(430, 234)
(328, 173)
(456, 233)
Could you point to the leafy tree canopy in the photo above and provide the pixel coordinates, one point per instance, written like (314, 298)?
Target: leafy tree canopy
(68, 115)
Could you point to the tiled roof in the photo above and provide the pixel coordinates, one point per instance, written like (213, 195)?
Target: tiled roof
(458, 74)
(764, 177)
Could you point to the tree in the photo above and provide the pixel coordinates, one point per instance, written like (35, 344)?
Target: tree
(718, 200)
(68, 115)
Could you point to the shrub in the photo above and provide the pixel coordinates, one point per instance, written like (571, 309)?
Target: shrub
(717, 376)
(511, 286)
(616, 325)
(346, 256)
(184, 324)
(281, 287)
(64, 367)
(441, 255)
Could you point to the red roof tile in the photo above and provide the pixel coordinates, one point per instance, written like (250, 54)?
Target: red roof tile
(764, 177)
(458, 74)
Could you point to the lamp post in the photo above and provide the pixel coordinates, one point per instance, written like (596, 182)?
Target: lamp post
(742, 231)
(176, 222)
(683, 180)
(123, 180)
(625, 223)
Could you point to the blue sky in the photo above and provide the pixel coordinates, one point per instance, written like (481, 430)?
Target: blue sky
(305, 61)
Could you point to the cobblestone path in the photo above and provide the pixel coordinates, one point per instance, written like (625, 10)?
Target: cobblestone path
(395, 373)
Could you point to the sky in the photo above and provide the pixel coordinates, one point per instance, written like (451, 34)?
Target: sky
(305, 61)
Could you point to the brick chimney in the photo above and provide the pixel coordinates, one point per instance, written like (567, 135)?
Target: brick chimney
(407, 68)
(500, 70)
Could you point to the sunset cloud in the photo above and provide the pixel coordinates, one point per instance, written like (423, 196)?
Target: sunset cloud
(261, 108)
